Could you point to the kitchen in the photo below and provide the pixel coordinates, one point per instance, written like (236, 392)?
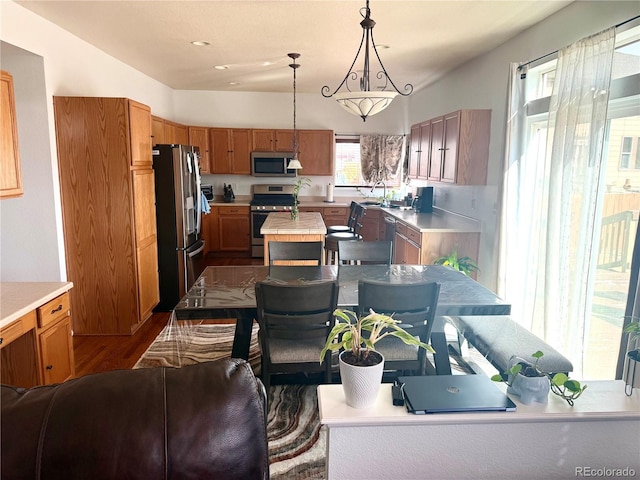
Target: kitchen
(45, 69)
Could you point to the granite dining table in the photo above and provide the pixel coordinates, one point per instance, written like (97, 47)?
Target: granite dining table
(229, 292)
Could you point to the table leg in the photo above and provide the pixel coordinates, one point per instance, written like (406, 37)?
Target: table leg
(242, 336)
(439, 343)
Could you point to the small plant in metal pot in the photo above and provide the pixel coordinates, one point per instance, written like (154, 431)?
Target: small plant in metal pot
(559, 383)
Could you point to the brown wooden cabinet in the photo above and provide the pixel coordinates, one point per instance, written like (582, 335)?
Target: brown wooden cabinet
(407, 242)
(316, 152)
(10, 175)
(37, 348)
(199, 137)
(108, 203)
(371, 225)
(234, 229)
(330, 215)
(270, 140)
(452, 148)
(230, 150)
(157, 131)
(55, 341)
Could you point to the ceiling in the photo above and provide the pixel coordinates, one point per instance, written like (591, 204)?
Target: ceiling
(426, 39)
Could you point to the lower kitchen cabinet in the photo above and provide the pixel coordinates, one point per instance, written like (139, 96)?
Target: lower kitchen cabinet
(330, 215)
(371, 225)
(230, 229)
(37, 348)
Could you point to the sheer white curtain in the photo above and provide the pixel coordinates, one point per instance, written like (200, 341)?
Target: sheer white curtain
(553, 174)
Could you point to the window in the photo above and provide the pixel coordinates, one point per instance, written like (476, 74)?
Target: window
(348, 166)
(348, 169)
(625, 153)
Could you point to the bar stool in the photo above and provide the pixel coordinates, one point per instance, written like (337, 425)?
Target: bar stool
(344, 228)
(332, 239)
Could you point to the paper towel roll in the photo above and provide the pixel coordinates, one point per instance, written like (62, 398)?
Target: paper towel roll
(329, 197)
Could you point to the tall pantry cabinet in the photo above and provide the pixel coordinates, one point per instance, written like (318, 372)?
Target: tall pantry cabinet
(108, 206)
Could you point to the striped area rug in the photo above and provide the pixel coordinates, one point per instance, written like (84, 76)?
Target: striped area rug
(296, 441)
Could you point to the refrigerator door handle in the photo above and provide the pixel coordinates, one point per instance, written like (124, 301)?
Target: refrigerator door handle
(198, 194)
(197, 251)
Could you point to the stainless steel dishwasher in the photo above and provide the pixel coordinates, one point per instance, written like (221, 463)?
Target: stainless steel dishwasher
(390, 232)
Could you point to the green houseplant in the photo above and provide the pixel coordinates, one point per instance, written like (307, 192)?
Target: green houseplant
(299, 185)
(560, 383)
(359, 361)
(462, 264)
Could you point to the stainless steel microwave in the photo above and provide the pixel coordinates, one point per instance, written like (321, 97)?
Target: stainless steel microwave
(271, 164)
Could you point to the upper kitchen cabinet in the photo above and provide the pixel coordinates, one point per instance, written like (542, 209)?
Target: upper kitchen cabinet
(453, 148)
(316, 152)
(230, 150)
(199, 137)
(263, 140)
(10, 176)
(108, 210)
(175, 133)
(141, 136)
(268, 140)
(157, 130)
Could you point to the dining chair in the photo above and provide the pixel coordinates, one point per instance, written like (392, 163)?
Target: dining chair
(295, 253)
(355, 226)
(363, 253)
(343, 228)
(295, 321)
(412, 303)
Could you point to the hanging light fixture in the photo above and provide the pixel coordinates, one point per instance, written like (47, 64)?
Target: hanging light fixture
(294, 163)
(367, 100)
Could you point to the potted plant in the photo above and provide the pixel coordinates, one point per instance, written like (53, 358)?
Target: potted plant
(532, 384)
(300, 184)
(632, 364)
(463, 264)
(361, 365)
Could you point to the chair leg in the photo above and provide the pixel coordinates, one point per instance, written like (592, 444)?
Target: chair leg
(266, 377)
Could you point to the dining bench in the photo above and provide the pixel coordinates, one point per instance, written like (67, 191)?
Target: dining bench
(499, 337)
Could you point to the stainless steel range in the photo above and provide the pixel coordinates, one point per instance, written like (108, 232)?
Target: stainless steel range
(266, 199)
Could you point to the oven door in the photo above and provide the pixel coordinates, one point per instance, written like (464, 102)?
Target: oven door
(257, 240)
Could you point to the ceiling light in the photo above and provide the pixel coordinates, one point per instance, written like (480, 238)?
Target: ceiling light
(221, 67)
(200, 43)
(294, 163)
(367, 100)
(233, 84)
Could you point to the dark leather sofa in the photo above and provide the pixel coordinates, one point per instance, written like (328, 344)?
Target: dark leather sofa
(205, 421)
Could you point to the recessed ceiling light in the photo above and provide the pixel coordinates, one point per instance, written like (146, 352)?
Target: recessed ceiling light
(382, 47)
(221, 67)
(233, 84)
(200, 43)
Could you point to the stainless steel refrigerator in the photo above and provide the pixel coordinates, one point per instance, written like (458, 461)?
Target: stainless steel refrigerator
(179, 220)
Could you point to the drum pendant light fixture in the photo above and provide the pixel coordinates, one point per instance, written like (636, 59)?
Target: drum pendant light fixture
(369, 99)
(294, 163)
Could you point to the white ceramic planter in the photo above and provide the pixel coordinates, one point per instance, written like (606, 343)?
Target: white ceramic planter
(529, 389)
(360, 384)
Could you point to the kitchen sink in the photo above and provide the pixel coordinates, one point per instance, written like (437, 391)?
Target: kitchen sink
(370, 203)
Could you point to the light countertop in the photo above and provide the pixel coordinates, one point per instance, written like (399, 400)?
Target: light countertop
(440, 221)
(19, 298)
(280, 223)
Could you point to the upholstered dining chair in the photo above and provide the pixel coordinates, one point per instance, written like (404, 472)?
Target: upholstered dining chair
(295, 253)
(412, 303)
(295, 321)
(355, 226)
(363, 253)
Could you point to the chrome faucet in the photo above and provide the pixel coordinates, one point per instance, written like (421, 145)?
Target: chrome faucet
(385, 202)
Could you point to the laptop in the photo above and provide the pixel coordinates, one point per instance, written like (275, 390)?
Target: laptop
(454, 393)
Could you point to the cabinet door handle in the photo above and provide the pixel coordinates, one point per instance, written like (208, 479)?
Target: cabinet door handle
(49, 367)
(57, 309)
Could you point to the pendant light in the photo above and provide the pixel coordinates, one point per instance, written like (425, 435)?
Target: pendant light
(294, 163)
(368, 100)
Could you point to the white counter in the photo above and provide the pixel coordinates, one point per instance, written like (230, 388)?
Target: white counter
(602, 430)
(19, 298)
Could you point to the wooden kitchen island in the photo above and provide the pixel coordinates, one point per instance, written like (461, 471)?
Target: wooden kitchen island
(278, 227)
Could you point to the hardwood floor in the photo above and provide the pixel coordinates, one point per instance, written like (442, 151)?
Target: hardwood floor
(94, 354)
